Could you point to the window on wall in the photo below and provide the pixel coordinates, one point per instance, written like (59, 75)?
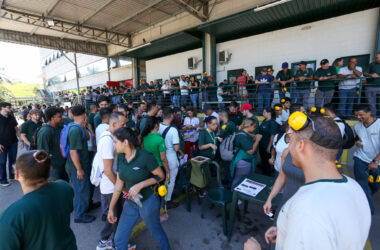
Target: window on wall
(232, 75)
(113, 62)
(363, 60)
(310, 65)
(93, 68)
(124, 61)
(258, 69)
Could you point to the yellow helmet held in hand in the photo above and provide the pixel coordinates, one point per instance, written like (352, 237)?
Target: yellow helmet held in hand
(162, 191)
(370, 179)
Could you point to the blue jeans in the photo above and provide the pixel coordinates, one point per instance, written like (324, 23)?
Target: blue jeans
(11, 153)
(346, 101)
(264, 101)
(26, 147)
(150, 213)
(194, 99)
(361, 175)
(304, 98)
(204, 96)
(176, 101)
(82, 192)
(294, 94)
(184, 100)
(372, 93)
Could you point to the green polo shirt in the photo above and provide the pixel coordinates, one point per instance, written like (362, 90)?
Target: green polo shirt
(243, 141)
(326, 85)
(97, 120)
(29, 128)
(40, 220)
(205, 138)
(227, 129)
(267, 129)
(204, 81)
(155, 144)
(48, 139)
(139, 169)
(236, 118)
(305, 84)
(282, 76)
(157, 89)
(374, 68)
(256, 131)
(131, 124)
(90, 120)
(176, 91)
(76, 143)
(67, 120)
(211, 90)
(142, 123)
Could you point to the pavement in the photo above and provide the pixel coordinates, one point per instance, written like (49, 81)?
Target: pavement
(186, 230)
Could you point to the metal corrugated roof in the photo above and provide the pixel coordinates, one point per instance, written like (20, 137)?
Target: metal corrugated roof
(289, 14)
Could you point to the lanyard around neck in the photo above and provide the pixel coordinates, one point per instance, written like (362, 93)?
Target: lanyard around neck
(212, 137)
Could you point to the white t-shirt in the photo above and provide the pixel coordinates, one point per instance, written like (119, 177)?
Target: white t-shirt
(193, 122)
(171, 139)
(370, 137)
(340, 125)
(280, 146)
(279, 120)
(325, 215)
(349, 84)
(285, 115)
(183, 91)
(218, 92)
(99, 131)
(106, 150)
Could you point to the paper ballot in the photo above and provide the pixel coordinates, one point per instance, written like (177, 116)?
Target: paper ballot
(250, 187)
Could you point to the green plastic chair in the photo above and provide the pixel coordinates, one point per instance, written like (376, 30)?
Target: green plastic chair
(216, 194)
(183, 182)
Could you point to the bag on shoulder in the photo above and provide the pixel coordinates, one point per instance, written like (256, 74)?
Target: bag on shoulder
(227, 147)
(96, 171)
(33, 143)
(349, 137)
(63, 142)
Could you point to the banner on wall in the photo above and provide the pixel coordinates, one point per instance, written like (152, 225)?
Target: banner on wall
(113, 83)
(129, 83)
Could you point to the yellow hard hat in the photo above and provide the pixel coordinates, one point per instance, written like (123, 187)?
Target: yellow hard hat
(162, 191)
(298, 121)
(313, 109)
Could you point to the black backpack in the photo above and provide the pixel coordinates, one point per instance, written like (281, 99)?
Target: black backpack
(349, 137)
(33, 143)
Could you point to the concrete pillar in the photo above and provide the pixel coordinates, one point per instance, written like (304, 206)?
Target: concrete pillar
(135, 72)
(209, 54)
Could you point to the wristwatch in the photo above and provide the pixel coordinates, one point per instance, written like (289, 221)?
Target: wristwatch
(376, 161)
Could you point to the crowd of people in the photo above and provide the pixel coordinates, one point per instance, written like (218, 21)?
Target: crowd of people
(130, 150)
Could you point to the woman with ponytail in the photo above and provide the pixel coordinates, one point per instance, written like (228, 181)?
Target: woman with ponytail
(41, 218)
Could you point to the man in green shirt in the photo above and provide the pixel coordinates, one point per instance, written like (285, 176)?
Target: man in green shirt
(212, 87)
(373, 87)
(91, 116)
(303, 77)
(28, 129)
(326, 86)
(104, 102)
(246, 108)
(48, 139)
(234, 115)
(204, 84)
(152, 109)
(78, 165)
(69, 118)
(126, 112)
(284, 77)
(227, 127)
(141, 89)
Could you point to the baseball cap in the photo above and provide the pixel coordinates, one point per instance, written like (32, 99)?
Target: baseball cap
(246, 106)
(285, 65)
(302, 62)
(324, 61)
(264, 70)
(206, 107)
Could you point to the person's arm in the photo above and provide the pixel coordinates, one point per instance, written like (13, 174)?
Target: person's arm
(372, 165)
(270, 144)
(207, 146)
(108, 170)
(25, 139)
(255, 144)
(357, 73)
(135, 189)
(273, 156)
(165, 164)
(277, 186)
(115, 197)
(74, 154)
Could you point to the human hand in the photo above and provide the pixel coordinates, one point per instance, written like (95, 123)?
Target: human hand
(271, 161)
(267, 206)
(302, 78)
(80, 174)
(271, 235)
(168, 175)
(268, 149)
(374, 75)
(135, 190)
(372, 166)
(213, 146)
(252, 244)
(111, 217)
(359, 144)
(258, 137)
(322, 78)
(220, 139)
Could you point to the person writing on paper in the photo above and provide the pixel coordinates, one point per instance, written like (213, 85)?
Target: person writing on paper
(245, 161)
(331, 220)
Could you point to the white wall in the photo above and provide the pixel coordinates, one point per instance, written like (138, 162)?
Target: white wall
(173, 65)
(352, 34)
(122, 73)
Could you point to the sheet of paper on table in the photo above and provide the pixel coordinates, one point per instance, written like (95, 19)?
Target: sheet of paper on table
(250, 187)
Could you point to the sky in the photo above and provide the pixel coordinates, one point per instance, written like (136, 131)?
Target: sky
(21, 62)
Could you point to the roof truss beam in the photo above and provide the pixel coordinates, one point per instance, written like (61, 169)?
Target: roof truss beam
(191, 10)
(83, 31)
(96, 11)
(56, 43)
(127, 18)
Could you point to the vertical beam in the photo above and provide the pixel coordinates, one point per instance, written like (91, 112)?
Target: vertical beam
(204, 52)
(213, 56)
(108, 69)
(377, 45)
(76, 74)
(136, 72)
